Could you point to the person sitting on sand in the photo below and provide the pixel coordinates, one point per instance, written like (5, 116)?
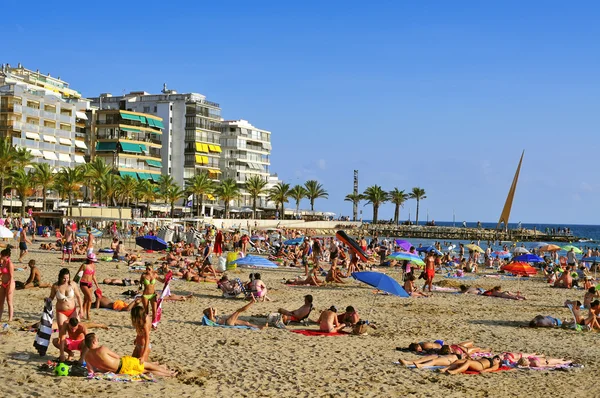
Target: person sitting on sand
(481, 365)
(299, 314)
(230, 320)
(576, 308)
(328, 321)
(592, 320)
(258, 289)
(564, 281)
(141, 322)
(334, 275)
(70, 338)
(497, 292)
(589, 296)
(101, 358)
(34, 279)
(350, 317)
(409, 286)
(228, 287)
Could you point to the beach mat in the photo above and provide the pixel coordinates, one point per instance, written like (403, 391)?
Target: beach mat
(312, 332)
(208, 322)
(147, 378)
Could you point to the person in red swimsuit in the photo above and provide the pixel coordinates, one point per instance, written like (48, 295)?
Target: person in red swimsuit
(66, 292)
(218, 249)
(429, 270)
(7, 285)
(86, 283)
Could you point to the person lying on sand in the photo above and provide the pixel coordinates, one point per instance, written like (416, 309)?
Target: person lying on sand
(465, 347)
(534, 361)
(328, 321)
(101, 358)
(311, 280)
(299, 314)
(231, 320)
(34, 279)
(497, 292)
(120, 282)
(469, 290)
(541, 321)
(116, 305)
(433, 360)
(481, 365)
(70, 338)
(511, 358)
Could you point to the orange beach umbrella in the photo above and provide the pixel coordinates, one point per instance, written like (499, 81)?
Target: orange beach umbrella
(519, 268)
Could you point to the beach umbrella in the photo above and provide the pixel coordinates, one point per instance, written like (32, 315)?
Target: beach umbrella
(593, 259)
(501, 254)
(427, 249)
(404, 256)
(406, 245)
(529, 258)
(151, 242)
(83, 232)
(295, 241)
(549, 248)
(519, 268)
(475, 248)
(574, 248)
(254, 262)
(256, 237)
(381, 282)
(6, 233)
(537, 245)
(520, 250)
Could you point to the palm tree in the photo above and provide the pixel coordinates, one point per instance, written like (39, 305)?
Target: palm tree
(376, 196)
(418, 194)
(398, 198)
(165, 182)
(199, 186)
(255, 186)
(298, 192)
(314, 190)
(95, 171)
(22, 157)
(355, 198)
(11, 158)
(227, 191)
(280, 194)
(68, 181)
(22, 182)
(43, 177)
(109, 184)
(172, 195)
(126, 189)
(148, 193)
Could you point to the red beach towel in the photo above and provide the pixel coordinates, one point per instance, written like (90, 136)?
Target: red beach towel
(310, 332)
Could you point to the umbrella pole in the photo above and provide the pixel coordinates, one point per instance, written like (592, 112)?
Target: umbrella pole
(372, 304)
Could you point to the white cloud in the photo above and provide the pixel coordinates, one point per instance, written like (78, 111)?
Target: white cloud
(321, 164)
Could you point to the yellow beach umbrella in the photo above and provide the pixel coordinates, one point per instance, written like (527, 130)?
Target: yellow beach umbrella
(475, 248)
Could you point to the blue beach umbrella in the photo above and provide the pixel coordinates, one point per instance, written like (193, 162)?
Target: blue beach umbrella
(381, 282)
(528, 258)
(151, 242)
(296, 241)
(254, 262)
(83, 232)
(428, 249)
(593, 259)
(502, 254)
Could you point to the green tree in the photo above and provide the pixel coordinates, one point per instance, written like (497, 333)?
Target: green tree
(109, 185)
(227, 191)
(22, 182)
(255, 186)
(7, 164)
(95, 171)
(280, 194)
(148, 193)
(355, 198)
(126, 189)
(200, 185)
(376, 196)
(68, 181)
(314, 190)
(43, 177)
(172, 195)
(298, 192)
(22, 157)
(417, 194)
(398, 198)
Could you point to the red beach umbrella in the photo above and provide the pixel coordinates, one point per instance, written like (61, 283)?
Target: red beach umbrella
(519, 268)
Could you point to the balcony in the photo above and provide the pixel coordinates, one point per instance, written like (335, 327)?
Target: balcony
(31, 111)
(11, 124)
(49, 115)
(34, 128)
(65, 118)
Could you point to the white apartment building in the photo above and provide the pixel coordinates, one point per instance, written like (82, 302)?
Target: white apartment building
(246, 153)
(44, 115)
(191, 133)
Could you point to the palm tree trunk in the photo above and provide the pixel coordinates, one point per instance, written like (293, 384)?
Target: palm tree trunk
(375, 212)
(200, 204)
(417, 219)
(396, 214)
(254, 207)
(198, 208)
(282, 216)
(297, 207)
(23, 199)
(43, 199)
(1, 194)
(70, 205)
(148, 209)
(312, 205)
(172, 209)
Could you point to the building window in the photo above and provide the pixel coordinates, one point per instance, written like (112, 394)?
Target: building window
(50, 108)
(33, 104)
(65, 127)
(232, 129)
(146, 109)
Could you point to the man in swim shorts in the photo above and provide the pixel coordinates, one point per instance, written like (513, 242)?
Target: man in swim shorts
(23, 241)
(103, 359)
(70, 338)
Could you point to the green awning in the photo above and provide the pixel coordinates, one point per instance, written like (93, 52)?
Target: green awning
(130, 117)
(150, 122)
(143, 147)
(144, 176)
(153, 163)
(128, 173)
(130, 147)
(132, 130)
(143, 119)
(159, 124)
(106, 146)
(155, 177)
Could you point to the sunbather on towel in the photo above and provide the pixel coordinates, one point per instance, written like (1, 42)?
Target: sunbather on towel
(481, 365)
(464, 289)
(497, 292)
(541, 321)
(534, 361)
(433, 360)
(328, 321)
(464, 347)
(101, 358)
(231, 320)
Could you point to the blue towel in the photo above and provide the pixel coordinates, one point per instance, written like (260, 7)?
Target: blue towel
(208, 322)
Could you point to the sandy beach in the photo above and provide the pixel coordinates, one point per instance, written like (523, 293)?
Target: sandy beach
(224, 362)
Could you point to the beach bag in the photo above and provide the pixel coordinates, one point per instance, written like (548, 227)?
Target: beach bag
(231, 257)
(361, 327)
(222, 264)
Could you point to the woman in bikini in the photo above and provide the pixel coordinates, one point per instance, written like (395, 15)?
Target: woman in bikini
(481, 365)
(65, 291)
(147, 282)
(141, 323)
(534, 361)
(230, 320)
(7, 285)
(433, 360)
(88, 280)
(258, 289)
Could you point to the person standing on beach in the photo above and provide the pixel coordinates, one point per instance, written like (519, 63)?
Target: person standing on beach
(429, 270)
(23, 241)
(461, 251)
(68, 245)
(306, 248)
(89, 249)
(571, 259)
(218, 250)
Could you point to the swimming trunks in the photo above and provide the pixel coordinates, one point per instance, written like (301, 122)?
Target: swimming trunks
(68, 248)
(118, 305)
(130, 366)
(22, 246)
(86, 284)
(73, 345)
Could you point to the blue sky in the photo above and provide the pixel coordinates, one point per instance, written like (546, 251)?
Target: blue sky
(441, 95)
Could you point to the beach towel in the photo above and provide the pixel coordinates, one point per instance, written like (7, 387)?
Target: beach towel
(165, 293)
(208, 322)
(122, 378)
(42, 338)
(312, 332)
